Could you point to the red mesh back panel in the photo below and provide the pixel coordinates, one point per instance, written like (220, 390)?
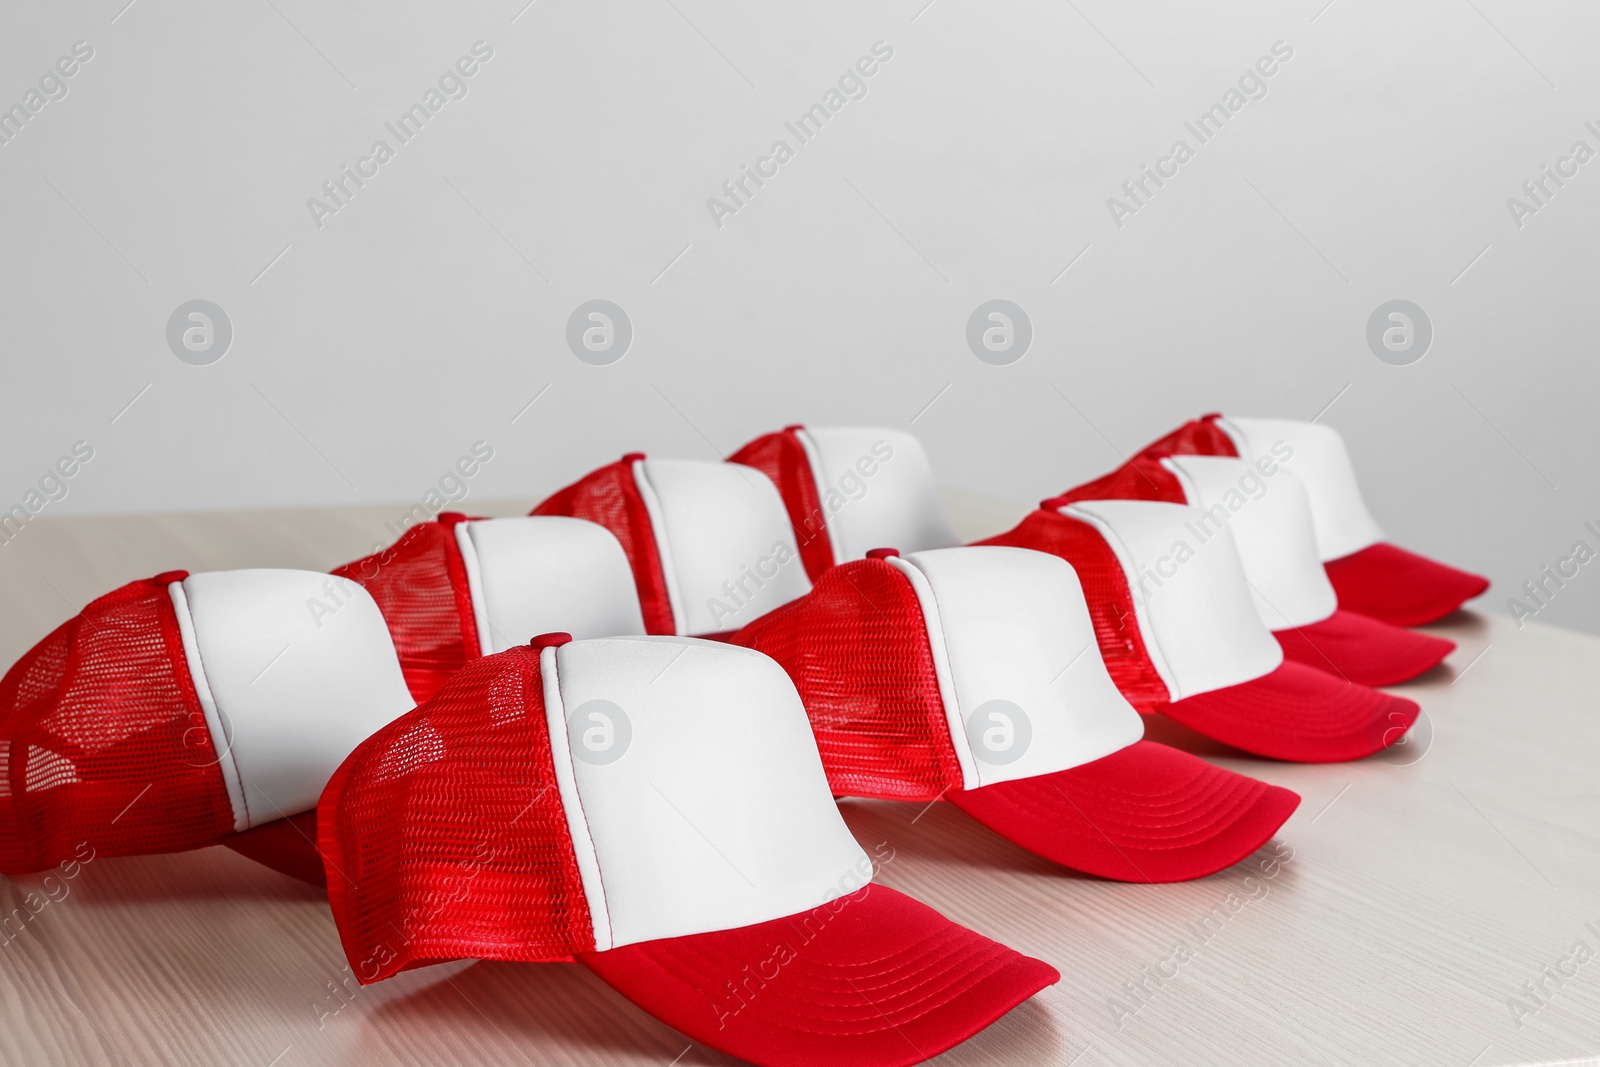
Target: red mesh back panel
(610, 497)
(102, 740)
(1105, 587)
(1142, 478)
(781, 457)
(1197, 437)
(445, 835)
(420, 585)
(856, 648)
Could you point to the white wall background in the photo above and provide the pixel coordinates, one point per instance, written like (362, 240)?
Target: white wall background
(369, 354)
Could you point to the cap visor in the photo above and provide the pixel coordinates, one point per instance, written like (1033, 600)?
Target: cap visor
(1362, 649)
(288, 846)
(1402, 588)
(1145, 813)
(1300, 714)
(880, 982)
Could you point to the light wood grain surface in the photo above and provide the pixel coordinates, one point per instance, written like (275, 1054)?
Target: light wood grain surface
(1411, 898)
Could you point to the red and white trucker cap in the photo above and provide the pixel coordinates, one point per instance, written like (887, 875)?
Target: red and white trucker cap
(973, 675)
(850, 489)
(188, 710)
(1180, 634)
(709, 543)
(460, 588)
(655, 808)
(1369, 574)
(1269, 512)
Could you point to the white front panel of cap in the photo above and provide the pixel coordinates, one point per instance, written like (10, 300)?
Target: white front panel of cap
(1270, 516)
(302, 670)
(701, 787)
(540, 574)
(1032, 693)
(1190, 592)
(729, 544)
(876, 490)
(1318, 457)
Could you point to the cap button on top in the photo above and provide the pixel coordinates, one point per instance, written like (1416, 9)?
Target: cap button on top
(633, 457)
(551, 640)
(168, 577)
(450, 518)
(882, 553)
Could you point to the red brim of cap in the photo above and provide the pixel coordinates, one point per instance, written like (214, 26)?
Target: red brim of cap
(1300, 714)
(288, 846)
(874, 979)
(1145, 813)
(1402, 588)
(1362, 649)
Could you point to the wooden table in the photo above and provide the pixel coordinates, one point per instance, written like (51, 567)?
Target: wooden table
(1411, 898)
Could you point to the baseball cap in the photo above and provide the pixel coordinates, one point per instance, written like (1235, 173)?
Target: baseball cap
(710, 544)
(1181, 635)
(849, 489)
(654, 808)
(1370, 575)
(1269, 511)
(187, 710)
(973, 675)
(459, 588)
